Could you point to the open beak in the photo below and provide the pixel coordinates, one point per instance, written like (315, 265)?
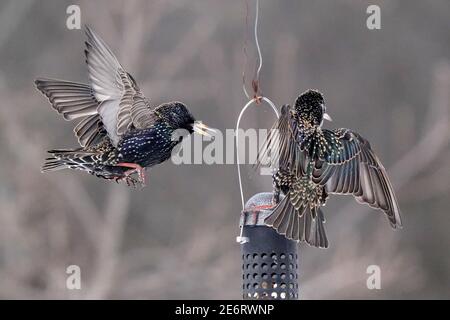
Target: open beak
(202, 129)
(326, 116)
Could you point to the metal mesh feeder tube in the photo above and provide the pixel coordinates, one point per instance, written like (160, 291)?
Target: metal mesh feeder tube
(269, 260)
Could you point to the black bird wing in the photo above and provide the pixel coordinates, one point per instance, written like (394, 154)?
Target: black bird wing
(110, 106)
(122, 105)
(75, 101)
(350, 166)
(280, 149)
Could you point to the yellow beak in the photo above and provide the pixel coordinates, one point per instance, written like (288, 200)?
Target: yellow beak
(202, 129)
(326, 116)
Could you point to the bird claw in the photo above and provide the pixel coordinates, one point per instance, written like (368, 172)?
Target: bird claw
(141, 177)
(135, 168)
(130, 181)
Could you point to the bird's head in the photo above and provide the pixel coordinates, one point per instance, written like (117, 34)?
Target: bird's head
(179, 117)
(310, 108)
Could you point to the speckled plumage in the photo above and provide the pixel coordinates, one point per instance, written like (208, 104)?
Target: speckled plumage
(314, 162)
(153, 145)
(119, 132)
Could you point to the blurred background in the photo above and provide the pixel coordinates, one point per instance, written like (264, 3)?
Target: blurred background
(176, 237)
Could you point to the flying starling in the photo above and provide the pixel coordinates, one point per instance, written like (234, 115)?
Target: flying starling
(120, 134)
(314, 162)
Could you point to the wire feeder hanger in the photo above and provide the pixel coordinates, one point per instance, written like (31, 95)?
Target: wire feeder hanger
(257, 99)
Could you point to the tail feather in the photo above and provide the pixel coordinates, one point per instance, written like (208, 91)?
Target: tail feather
(304, 224)
(281, 216)
(69, 159)
(53, 164)
(320, 238)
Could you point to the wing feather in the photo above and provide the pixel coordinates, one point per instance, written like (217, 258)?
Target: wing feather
(73, 101)
(358, 171)
(115, 89)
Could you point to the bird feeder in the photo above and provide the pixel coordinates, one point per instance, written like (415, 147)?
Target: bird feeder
(269, 260)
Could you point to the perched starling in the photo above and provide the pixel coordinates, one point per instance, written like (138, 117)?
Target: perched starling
(314, 162)
(119, 132)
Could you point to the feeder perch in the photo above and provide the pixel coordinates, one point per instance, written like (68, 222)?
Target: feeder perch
(269, 260)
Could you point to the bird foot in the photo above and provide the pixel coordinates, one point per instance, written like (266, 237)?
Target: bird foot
(129, 180)
(135, 168)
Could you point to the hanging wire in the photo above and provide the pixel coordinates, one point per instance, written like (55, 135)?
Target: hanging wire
(257, 98)
(255, 81)
(245, 51)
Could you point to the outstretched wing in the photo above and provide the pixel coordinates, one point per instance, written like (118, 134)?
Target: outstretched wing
(351, 167)
(122, 105)
(280, 150)
(75, 101)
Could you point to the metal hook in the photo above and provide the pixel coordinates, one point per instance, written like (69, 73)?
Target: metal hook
(240, 238)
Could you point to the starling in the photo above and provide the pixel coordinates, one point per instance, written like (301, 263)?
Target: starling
(120, 134)
(314, 162)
